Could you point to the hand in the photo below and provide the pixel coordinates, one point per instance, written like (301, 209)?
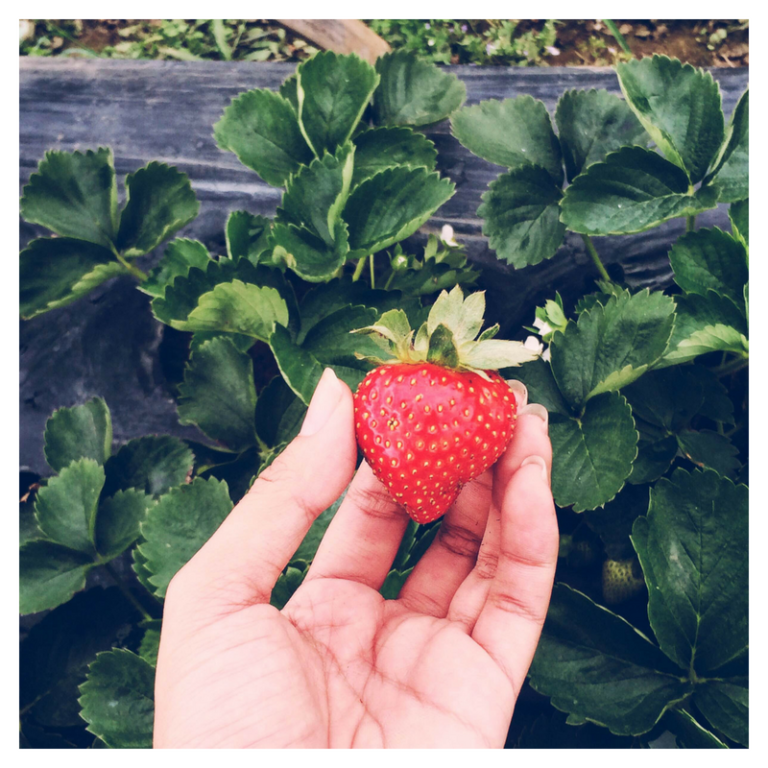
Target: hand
(339, 666)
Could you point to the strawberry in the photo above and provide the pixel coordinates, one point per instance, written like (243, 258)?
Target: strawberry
(436, 414)
(622, 579)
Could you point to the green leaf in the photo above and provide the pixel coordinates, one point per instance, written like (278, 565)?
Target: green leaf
(286, 585)
(381, 148)
(143, 574)
(679, 106)
(306, 254)
(693, 549)
(65, 508)
(710, 259)
(150, 643)
(511, 133)
(323, 300)
(288, 90)
(593, 455)
(49, 574)
(668, 398)
(315, 196)
(332, 93)
(118, 700)
(118, 521)
(597, 666)
(160, 201)
(279, 413)
(394, 582)
(717, 405)
(74, 195)
(739, 215)
(179, 257)
(151, 464)
(219, 395)
(689, 733)
(56, 652)
(706, 448)
(613, 523)
(82, 432)
(183, 296)
(521, 216)
(237, 307)
(55, 271)
(705, 324)
(725, 703)
(610, 346)
(542, 387)
(414, 92)
(178, 525)
(634, 189)
(654, 457)
(593, 123)
(329, 343)
(247, 236)
(442, 348)
(237, 470)
(391, 206)
(262, 129)
(731, 173)
(437, 271)
(311, 542)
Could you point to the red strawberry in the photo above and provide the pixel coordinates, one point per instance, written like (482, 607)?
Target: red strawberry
(438, 415)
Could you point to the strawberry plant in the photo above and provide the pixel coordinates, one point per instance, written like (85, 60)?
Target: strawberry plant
(646, 390)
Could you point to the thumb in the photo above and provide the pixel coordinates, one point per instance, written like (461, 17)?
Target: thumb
(244, 558)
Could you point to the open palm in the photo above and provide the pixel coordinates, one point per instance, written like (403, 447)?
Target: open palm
(340, 666)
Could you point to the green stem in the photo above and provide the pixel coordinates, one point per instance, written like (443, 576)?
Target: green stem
(389, 280)
(620, 39)
(596, 257)
(373, 274)
(135, 271)
(126, 592)
(358, 270)
(690, 223)
(733, 367)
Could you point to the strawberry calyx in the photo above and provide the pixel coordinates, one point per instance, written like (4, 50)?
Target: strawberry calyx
(450, 337)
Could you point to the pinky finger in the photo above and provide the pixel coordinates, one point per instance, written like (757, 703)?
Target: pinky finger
(510, 623)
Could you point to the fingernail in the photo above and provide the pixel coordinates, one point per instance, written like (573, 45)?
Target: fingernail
(540, 463)
(535, 409)
(521, 392)
(322, 404)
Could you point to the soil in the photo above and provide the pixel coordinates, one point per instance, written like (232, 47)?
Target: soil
(580, 42)
(687, 40)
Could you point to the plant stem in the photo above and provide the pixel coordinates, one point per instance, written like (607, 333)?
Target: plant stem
(135, 271)
(596, 257)
(358, 269)
(389, 280)
(690, 223)
(373, 274)
(126, 592)
(620, 39)
(733, 367)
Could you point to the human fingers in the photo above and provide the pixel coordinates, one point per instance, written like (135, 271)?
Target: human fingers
(364, 535)
(241, 562)
(531, 439)
(510, 622)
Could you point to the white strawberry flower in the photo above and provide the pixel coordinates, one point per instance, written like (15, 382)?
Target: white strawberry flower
(446, 235)
(534, 345)
(542, 326)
